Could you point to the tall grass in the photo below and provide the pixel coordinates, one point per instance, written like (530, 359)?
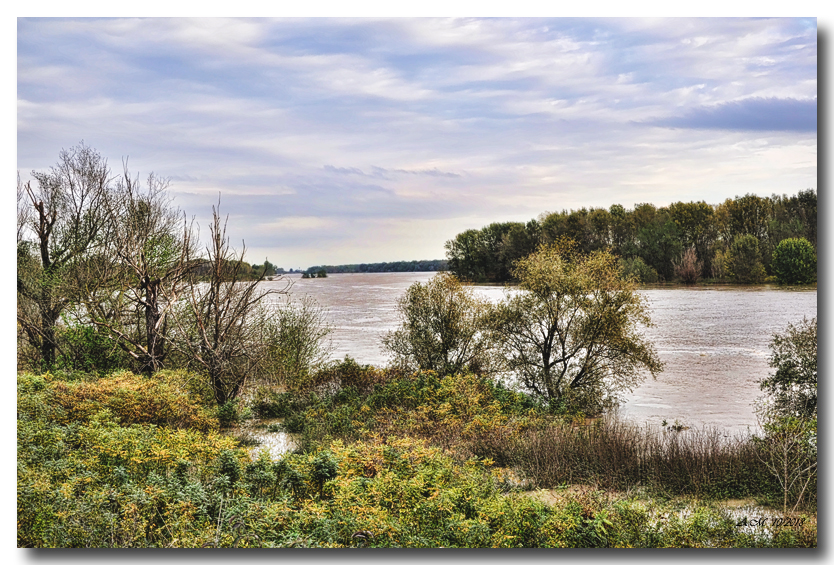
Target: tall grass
(614, 454)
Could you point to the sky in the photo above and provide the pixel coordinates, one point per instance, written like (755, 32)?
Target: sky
(334, 140)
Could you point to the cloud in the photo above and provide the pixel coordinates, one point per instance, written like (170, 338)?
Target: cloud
(751, 114)
(447, 122)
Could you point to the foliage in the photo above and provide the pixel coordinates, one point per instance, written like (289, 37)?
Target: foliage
(743, 262)
(657, 236)
(167, 399)
(100, 483)
(442, 329)
(788, 449)
(637, 269)
(571, 333)
(792, 389)
(295, 339)
(788, 412)
(88, 349)
(794, 261)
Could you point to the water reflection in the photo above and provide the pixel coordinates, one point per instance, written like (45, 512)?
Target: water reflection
(713, 340)
(269, 436)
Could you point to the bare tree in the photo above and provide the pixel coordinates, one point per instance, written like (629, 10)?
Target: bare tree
(789, 451)
(150, 254)
(59, 221)
(222, 320)
(688, 268)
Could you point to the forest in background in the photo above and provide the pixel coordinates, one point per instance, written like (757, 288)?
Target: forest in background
(734, 241)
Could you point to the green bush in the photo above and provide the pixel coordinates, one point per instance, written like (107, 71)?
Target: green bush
(636, 268)
(85, 348)
(743, 261)
(794, 261)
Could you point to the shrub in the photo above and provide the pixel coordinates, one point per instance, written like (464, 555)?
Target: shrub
(133, 400)
(296, 342)
(636, 268)
(688, 268)
(794, 261)
(85, 348)
(743, 261)
(442, 329)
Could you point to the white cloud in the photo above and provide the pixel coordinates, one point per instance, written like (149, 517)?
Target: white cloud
(436, 123)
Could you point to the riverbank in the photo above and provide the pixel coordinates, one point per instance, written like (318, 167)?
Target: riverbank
(382, 460)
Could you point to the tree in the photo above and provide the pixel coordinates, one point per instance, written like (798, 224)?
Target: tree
(295, 341)
(571, 332)
(794, 261)
(792, 389)
(442, 329)
(636, 268)
(221, 324)
(150, 255)
(658, 244)
(743, 261)
(788, 411)
(695, 224)
(688, 268)
(65, 217)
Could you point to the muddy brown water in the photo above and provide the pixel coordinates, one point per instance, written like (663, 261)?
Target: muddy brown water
(712, 339)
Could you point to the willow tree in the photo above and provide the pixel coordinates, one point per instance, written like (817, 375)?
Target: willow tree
(571, 332)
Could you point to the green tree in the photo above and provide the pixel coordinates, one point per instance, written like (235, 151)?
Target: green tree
(694, 221)
(658, 244)
(794, 261)
(442, 329)
(792, 389)
(743, 262)
(571, 334)
(296, 340)
(636, 268)
(788, 412)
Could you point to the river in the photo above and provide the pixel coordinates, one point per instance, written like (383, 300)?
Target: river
(712, 339)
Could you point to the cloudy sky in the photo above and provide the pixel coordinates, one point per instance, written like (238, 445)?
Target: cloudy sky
(359, 140)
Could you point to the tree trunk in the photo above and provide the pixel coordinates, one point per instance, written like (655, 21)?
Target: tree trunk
(155, 344)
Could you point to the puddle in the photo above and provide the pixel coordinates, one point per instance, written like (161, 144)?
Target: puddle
(269, 435)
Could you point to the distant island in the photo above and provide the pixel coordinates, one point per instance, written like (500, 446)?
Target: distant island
(392, 267)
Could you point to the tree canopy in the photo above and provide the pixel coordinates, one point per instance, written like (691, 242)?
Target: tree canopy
(571, 331)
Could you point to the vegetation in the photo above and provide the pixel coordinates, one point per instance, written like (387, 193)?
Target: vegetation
(789, 412)
(442, 329)
(571, 334)
(660, 238)
(422, 265)
(795, 261)
(743, 262)
(101, 481)
(141, 360)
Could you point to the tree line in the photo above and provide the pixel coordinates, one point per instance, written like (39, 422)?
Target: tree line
(737, 240)
(111, 275)
(423, 265)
